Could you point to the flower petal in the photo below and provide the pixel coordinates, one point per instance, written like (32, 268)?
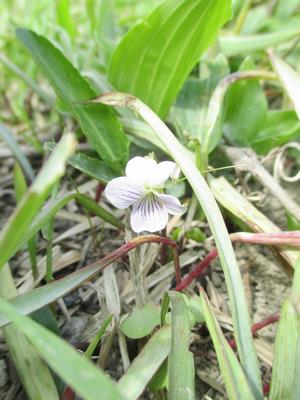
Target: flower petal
(172, 204)
(149, 214)
(122, 193)
(140, 170)
(162, 172)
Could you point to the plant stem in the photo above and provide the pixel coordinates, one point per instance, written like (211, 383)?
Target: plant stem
(280, 238)
(271, 319)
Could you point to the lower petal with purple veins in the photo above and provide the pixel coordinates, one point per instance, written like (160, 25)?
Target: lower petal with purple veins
(149, 214)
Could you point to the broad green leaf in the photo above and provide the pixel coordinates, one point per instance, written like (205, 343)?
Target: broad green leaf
(181, 382)
(234, 377)
(86, 379)
(238, 304)
(290, 80)
(236, 45)
(155, 57)
(214, 112)
(189, 112)
(144, 366)
(32, 371)
(141, 322)
(15, 148)
(279, 127)
(11, 235)
(98, 122)
(91, 166)
(245, 108)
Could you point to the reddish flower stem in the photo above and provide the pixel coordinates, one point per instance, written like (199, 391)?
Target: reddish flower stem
(200, 267)
(280, 238)
(259, 325)
(266, 388)
(99, 189)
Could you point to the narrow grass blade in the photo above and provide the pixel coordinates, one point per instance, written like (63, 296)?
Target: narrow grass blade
(20, 187)
(290, 80)
(48, 99)
(92, 346)
(53, 206)
(285, 353)
(286, 366)
(238, 304)
(236, 383)
(232, 45)
(88, 381)
(12, 234)
(15, 148)
(181, 382)
(134, 381)
(32, 371)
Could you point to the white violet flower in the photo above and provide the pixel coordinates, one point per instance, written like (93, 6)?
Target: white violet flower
(142, 188)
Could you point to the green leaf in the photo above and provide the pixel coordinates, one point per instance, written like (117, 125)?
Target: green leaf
(290, 80)
(18, 153)
(236, 45)
(245, 108)
(20, 184)
(32, 371)
(234, 377)
(181, 385)
(285, 353)
(286, 365)
(279, 127)
(11, 235)
(189, 112)
(91, 166)
(134, 381)
(96, 339)
(87, 380)
(155, 57)
(98, 122)
(141, 322)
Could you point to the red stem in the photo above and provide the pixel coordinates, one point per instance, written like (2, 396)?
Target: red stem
(200, 267)
(278, 238)
(259, 325)
(99, 189)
